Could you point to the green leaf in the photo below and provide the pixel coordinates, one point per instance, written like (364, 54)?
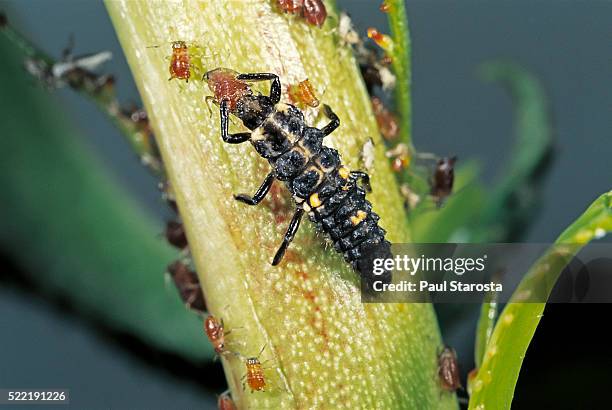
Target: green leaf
(75, 231)
(515, 200)
(485, 326)
(493, 387)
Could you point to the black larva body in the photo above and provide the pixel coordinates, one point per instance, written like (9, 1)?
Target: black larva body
(321, 186)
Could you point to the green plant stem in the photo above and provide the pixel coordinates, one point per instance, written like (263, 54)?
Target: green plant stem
(103, 97)
(400, 32)
(323, 347)
(515, 200)
(493, 387)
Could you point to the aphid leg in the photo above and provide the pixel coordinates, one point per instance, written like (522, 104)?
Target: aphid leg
(275, 89)
(260, 194)
(293, 227)
(227, 137)
(334, 120)
(365, 179)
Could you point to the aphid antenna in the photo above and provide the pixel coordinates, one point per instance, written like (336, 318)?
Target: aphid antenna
(67, 51)
(426, 156)
(225, 392)
(261, 351)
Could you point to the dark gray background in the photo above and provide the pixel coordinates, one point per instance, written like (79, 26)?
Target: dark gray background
(568, 44)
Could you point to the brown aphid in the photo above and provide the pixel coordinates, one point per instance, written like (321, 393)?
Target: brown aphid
(388, 124)
(175, 234)
(225, 85)
(401, 156)
(291, 6)
(139, 117)
(225, 402)
(188, 285)
(443, 179)
(303, 93)
(180, 62)
(384, 7)
(216, 333)
(314, 12)
(255, 377)
(3, 20)
(448, 369)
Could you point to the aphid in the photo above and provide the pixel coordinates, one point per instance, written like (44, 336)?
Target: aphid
(387, 78)
(388, 124)
(216, 334)
(225, 402)
(313, 11)
(368, 154)
(384, 7)
(346, 31)
(291, 6)
(443, 179)
(143, 139)
(255, 376)
(180, 65)
(401, 157)
(303, 93)
(87, 63)
(74, 71)
(383, 40)
(375, 72)
(321, 186)
(175, 234)
(448, 369)
(3, 20)
(188, 285)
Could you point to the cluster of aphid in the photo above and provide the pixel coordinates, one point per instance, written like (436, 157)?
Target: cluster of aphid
(333, 196)
(378, 77)
(254, 376)
(312, 11)
(78, 73)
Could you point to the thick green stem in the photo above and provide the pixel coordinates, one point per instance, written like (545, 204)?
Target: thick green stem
(398, 21)
(323, 347)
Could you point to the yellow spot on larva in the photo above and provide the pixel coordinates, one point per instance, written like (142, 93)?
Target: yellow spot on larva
(361, 215)
(314, 200)
(344, 172)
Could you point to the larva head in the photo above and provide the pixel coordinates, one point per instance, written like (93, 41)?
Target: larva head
(225, 85)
